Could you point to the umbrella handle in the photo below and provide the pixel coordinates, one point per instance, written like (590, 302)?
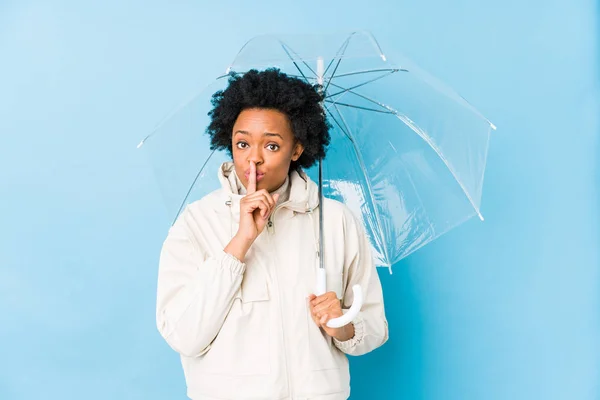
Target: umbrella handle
(354, 308)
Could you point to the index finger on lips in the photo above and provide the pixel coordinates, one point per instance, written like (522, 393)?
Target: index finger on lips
(252, 178)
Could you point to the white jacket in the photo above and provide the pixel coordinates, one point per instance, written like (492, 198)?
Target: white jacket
(244, 330)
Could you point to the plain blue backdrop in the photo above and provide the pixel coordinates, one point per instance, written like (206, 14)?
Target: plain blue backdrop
(503, 309)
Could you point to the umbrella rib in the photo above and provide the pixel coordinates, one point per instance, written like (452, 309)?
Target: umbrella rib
(339, 125)
(339, 55)
(416, 191)
(285, 48)
(173, 112)
(359, 107)
(341, 51)
(192, 185)
(368, 71)
(344, 90)
(332, 75)
(369, 187)
(423, 135)
(408, 122)
(390, 109)
(363, 72)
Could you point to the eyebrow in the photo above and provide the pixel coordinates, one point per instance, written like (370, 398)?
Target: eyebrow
(264, 134)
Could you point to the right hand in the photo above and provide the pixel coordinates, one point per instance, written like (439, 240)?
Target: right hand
(255, 208)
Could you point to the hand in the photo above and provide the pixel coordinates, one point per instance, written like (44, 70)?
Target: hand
(325, 307)
(255, 208)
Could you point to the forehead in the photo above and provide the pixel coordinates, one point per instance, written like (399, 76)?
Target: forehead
(257, 121)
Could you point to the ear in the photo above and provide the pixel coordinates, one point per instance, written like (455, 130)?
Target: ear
(298, 150)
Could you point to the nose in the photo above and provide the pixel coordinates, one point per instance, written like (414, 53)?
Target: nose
(255, 156)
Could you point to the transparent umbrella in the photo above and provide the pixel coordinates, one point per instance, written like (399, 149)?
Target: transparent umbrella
(407, 153)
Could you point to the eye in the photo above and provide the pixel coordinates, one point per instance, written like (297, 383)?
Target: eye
(241, 145)
(273, 147)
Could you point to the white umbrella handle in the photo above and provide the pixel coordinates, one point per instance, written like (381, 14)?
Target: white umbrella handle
(354, 308)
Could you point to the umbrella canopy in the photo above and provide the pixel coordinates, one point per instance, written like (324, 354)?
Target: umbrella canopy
(407, 154)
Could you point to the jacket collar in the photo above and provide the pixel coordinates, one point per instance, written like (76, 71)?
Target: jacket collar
(303, 193)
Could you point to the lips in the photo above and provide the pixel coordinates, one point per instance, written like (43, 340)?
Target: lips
(259, 175)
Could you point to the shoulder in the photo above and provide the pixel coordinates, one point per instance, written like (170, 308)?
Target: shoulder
(335, 207)
(338, 212)
(191, 226)
(210, 202)
(199, 210)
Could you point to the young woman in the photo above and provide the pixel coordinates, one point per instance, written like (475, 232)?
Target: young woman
(238, 269)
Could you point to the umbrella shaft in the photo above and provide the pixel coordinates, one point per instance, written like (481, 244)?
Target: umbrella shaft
(320, 73)
(321, 236)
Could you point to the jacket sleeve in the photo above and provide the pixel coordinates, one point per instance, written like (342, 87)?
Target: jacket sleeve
(194, 292)
(370, 326)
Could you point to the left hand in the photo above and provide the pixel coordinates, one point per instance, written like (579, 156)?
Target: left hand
(325, 307)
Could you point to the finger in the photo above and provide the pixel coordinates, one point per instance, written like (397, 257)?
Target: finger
(319, 299)
(257, 204)
(250, 205)
(263, 195)
(271, 201)
(268, 197)
(252, 179)
(327, 306)
(265, 208)
(312, 315)
(317, 323)
(327, 309)
(324, 297)
(324, 319)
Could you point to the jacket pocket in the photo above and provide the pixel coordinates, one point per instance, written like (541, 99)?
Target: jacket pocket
(323, 354)
(242, 347)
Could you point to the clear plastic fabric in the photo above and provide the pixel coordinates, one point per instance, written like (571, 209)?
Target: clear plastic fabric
(407, 154)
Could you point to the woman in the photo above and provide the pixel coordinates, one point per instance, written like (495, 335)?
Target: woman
(238, 268)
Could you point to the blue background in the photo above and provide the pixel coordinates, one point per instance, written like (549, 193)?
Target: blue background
(504, 309)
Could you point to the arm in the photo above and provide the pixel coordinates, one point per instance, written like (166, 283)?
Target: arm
(195, 292)
(370, 328)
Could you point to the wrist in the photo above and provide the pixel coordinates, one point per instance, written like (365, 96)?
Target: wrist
(238, 247)
(243, 240)
(345, 333)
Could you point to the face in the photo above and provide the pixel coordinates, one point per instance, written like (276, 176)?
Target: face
(265, 137)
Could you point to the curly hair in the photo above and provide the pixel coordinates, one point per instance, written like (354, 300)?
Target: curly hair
(272, 89)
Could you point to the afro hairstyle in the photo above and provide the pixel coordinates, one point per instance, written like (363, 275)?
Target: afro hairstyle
(272, 89)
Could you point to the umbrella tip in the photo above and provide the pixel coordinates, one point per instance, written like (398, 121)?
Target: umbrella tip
(480, 216)
(320, 70)
(493, 126)
(140, 144)
(383, 57)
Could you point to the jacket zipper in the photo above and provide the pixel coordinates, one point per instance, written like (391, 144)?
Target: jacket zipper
(271, 231)
(270, 225)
